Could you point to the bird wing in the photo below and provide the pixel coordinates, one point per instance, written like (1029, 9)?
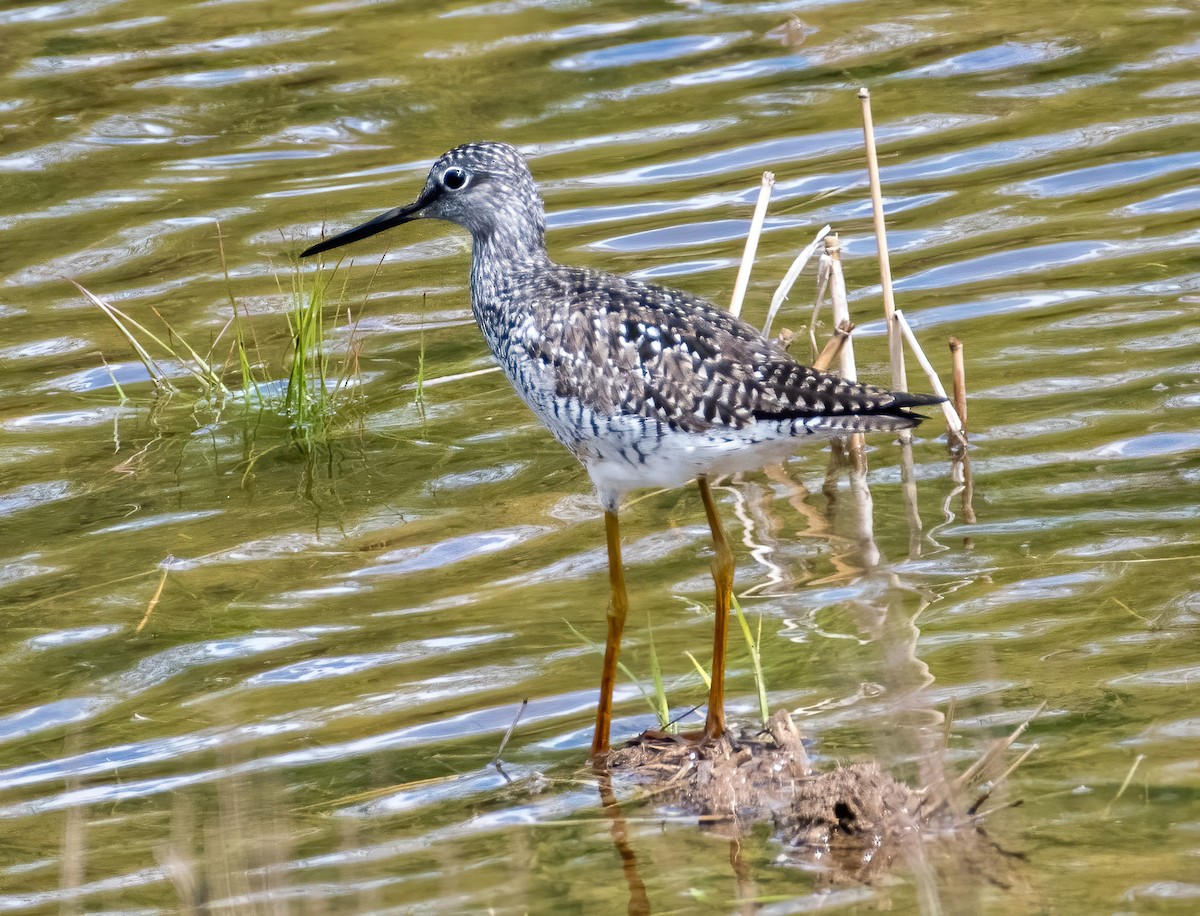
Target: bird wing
(622, 346)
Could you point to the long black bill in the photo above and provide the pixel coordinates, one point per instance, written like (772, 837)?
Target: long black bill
(383, 221)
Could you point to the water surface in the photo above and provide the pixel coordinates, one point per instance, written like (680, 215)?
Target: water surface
(343, 636)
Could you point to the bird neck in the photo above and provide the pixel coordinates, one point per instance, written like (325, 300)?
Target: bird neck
(519, 237)
(504, 265)
(501, 255)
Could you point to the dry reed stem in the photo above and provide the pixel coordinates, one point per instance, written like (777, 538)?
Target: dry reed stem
(960, 381)
(948, 721)
(822, 286)
(834, 347)
(937, 796)
(999, 780)
(895, 349)
(831, 262)
(896, 353)
(789, 280)
(841, 304)
(953, 423)
(756, 224)
(995, 751)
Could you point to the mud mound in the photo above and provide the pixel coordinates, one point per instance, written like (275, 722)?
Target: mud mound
(853, 819)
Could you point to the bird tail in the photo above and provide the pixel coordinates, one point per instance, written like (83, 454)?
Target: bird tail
(895, 415)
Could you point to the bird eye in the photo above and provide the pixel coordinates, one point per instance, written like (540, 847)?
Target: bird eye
(454, 178)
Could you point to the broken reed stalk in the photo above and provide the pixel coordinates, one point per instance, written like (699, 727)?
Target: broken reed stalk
(960, 381)
(756, 224)
(834, 347)
(831, 261)
(824, 269)
(895, 351)
(849, 452)
(960, 463)
(841, 304)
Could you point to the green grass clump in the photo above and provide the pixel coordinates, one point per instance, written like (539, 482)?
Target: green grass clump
(313, 389)
(305, 383)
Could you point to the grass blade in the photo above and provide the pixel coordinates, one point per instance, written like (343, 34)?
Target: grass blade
(755, 657)
(157, 375)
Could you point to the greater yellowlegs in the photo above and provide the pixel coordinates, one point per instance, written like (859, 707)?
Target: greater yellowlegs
(647, 386)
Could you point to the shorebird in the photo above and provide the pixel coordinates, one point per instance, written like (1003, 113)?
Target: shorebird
(647, 386)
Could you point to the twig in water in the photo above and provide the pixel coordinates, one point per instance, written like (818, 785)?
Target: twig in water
(162, 581)
(948, 724)
(995, 784)
(508, 734)
(683, 715)
(939, 794)
(756, 224)
(1125, 785)
(995, 751)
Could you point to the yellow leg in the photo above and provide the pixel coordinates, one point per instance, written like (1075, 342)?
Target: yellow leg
(722, 570)
(618, 608)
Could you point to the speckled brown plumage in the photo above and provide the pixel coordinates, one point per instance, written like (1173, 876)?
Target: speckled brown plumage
(624, 346)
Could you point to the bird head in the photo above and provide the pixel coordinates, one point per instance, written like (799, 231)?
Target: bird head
(484, 187)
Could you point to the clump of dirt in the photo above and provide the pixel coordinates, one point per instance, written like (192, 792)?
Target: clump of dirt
(852, 819)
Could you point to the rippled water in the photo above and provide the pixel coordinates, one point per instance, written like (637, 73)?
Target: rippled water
(342, 637)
